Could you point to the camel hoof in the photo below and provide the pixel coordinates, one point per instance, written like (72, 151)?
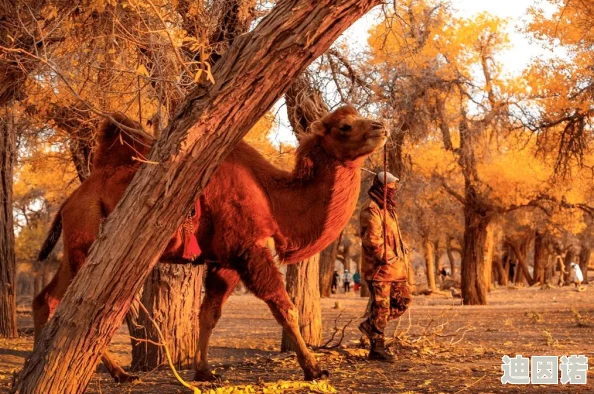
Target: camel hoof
(320, 374)
(125, 378)
(206, 376)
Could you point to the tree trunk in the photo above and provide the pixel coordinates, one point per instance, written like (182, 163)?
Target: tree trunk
(569, 258)
(430, 264)
(364, 290)
(521, 251)
(303, 288)
(540, 258)
(412, 280)
(256, 70)
(585, 261)
(550, 269)
(8, 320)
(172, 297)
(489, 248)
(436, 259)
(502, 274)
(474, 288)
(327, 259)
(451, 258)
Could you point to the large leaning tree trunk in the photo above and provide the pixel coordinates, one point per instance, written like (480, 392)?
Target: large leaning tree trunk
(250, 77)
(302, 286)
(8, 319)
(172, 293)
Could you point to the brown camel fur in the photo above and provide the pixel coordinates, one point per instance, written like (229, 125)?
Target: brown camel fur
(249, 203)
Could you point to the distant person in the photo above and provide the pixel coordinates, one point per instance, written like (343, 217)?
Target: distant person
(576, 275)
(356, 281)
(346, 280)
(384, 266)
(335, 278)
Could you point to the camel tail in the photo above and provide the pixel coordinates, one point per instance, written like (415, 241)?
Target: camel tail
(52, 238)
(120, 141)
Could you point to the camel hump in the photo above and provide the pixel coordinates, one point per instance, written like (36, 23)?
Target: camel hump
(120, 141)
(52, 238)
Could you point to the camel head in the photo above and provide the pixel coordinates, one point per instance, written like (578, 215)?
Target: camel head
(347, 136)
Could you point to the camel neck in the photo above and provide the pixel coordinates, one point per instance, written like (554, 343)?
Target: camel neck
(317, 204)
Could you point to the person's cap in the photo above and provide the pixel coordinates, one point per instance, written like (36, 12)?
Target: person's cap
(389, 177)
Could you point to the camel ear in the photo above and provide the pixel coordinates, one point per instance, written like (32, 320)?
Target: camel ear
(318, 128)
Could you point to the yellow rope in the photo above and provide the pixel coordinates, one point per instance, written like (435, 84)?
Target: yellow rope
(195, 390)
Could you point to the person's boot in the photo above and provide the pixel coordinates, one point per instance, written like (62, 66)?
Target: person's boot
(365, 329)
(379, 352)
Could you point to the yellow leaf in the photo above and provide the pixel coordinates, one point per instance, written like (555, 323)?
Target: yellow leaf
(142, 71)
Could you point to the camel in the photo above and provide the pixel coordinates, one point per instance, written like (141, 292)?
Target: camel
(249, 205)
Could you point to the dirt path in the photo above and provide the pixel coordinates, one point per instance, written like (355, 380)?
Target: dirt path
(446, 348)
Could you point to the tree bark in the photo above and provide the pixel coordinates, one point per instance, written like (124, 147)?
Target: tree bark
(8, 319)
(302, 286)
(177, 317)
(489, 248)
(474, 287)
(550, 269)
(569, 258)
(430, 264)
(364, 290)
(585, 261)
(411, 277)
(327, 259)
(172, 297)
(256, 70)
(502, 274)
(520, 250)
(540, 258)
(451, 258)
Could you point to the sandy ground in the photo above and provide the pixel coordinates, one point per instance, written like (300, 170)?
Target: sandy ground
(443, 347)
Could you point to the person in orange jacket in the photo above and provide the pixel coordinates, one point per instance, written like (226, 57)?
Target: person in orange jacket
(384, 265)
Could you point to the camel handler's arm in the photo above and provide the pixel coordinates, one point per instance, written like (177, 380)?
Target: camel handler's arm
(372, 235)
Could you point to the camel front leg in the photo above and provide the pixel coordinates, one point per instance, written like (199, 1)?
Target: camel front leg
(261, 276)
(219, 284)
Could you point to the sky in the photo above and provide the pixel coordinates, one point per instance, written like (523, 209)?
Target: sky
(514, 59)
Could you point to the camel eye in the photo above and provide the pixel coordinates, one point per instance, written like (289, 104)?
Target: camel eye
(345, 128)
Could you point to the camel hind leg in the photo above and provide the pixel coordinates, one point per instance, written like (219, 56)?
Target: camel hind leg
(259, 273)
(219, 284)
